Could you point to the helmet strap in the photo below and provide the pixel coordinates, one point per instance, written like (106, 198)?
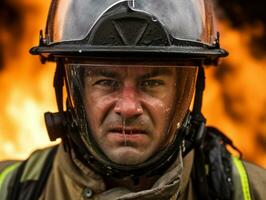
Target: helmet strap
(195, 128)
(200, 86)
(59, 84)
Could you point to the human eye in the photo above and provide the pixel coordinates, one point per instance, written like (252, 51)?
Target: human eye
(151, 83)
(107, 83)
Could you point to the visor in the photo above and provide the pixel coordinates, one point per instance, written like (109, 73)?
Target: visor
(128, 99)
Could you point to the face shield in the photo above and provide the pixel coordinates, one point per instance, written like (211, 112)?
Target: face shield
(128, 114)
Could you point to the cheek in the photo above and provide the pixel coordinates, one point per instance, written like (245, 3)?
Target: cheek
(97, 107)
(160, 110)
(164, 101)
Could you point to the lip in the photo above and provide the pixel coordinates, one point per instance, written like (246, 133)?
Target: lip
(119, 138)
(127, 131)
(133, 135)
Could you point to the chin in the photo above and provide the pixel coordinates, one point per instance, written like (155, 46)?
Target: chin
(127, 156)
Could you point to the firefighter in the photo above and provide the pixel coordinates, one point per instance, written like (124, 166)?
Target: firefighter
(131, 69)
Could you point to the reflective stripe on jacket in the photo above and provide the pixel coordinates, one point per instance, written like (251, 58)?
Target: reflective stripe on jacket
(26, 179)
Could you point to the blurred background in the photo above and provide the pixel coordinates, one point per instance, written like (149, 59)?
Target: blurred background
(235, 95)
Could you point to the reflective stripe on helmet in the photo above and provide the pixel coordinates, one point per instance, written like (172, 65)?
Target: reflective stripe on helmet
(242, 175)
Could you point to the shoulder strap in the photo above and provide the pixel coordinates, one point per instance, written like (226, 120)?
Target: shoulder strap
(212, 170)
(26, 179)
(217, 174)
(241, 183)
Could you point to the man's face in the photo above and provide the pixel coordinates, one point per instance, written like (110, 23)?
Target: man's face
(129, 110)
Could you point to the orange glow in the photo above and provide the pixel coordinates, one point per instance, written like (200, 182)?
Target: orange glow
(243, 84)
(26, 88)
(27, 92)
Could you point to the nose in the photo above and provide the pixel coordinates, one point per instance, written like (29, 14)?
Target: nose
(128, 105)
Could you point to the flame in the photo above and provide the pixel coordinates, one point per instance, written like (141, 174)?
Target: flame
(26, 89)
(234, 99)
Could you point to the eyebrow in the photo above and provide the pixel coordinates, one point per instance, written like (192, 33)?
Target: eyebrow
(103, 72)
(111, 74)
(157, 72)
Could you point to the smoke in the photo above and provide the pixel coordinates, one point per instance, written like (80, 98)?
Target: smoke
(11, 26)
(244, 15)
(23, 82)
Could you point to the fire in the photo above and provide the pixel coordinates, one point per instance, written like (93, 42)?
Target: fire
(234, 97)
(26, 88)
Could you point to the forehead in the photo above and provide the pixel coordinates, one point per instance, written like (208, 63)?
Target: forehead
(129, 71)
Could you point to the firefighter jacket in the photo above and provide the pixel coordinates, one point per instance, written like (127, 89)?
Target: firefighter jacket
(70, 179)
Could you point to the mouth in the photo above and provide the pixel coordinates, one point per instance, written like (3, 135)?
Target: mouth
(128, 135)
(127, 131)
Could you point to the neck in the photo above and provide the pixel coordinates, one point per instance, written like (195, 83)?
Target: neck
(133, 184)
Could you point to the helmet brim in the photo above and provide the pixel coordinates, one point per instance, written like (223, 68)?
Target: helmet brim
(198, 54)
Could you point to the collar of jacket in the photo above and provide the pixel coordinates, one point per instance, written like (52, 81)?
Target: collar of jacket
(172, 184)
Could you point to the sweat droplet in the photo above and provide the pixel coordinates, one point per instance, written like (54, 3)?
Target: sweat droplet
(139, 108)
(167, 110)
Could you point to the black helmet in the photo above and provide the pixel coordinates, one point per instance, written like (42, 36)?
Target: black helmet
(174, 28)
(82, 35)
